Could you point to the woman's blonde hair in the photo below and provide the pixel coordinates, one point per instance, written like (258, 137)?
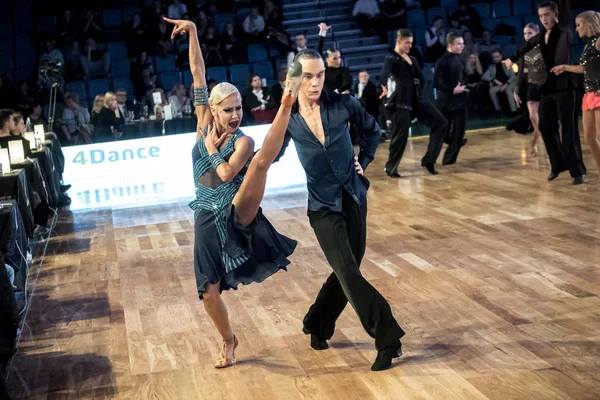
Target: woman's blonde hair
(107, 98)
(592, 19)
(534, 27)
(221, 92)
(98, 103)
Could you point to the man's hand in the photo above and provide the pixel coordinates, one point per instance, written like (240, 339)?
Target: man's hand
(508, 63)
(460, 89)
(357, 166)
(384, 92)
(559, 69)
(517, 99)
(323, 27)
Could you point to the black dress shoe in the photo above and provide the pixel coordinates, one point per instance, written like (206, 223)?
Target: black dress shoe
(64, 188)
(431, 169)
(464, 141)
(578, 180)
(552, 176)
(394, 174)
(318, 343)
(384, 358)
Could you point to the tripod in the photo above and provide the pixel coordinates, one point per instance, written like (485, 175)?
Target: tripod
(52, 105)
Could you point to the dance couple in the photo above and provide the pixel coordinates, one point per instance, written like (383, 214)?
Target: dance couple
(234, 242)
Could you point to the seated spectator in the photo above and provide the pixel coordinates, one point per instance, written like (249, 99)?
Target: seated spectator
(435, 39)
(154, 14)
(93, 27)
(36, 117)
(209, 5)
(75, 63)
(254, 24)
(146, 82)
(164, 44)
(178, 100)
(502, 80)
(474, 82)
(109, 124)
(259, 102)
(66, 28)
(7, 123)
(177, 9)
(11, 129)
(19, 129)
(277, 88)
(126, 106)
(211, 48)
(469, 17)
(486, 47)
(366, 93)
(273, 16)
(137, 35)
(75, 121)
(140, 63)
(97, 60)
(202, 22)
(24, 100)
(97, 107)
(300, 45)
(394, 12)
(456, 27)
(279, 40)
(470, 45)
(230, 49)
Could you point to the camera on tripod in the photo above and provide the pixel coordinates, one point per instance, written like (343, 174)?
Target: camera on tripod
(50, 70)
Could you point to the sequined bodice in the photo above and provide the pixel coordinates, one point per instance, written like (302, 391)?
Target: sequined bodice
(536, 68)
(211, 192)
(590, 61)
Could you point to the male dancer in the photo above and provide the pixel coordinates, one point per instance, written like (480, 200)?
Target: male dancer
(402, 78)
(337, 207)
(449, 79)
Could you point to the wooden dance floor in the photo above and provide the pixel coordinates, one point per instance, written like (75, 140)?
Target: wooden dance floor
(493, 272)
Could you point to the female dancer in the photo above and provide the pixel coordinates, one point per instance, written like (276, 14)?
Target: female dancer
(234, 242)
(532, 73)
(588, 25)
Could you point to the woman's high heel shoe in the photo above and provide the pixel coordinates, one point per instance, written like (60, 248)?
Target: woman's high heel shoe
(224, 361)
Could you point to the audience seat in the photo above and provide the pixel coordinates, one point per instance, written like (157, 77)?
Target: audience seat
(415, 18)
(483, 9)
(491, 24)
(123, 83)
(419, 34)
(293, 15)
(521, 7)
(256, 53)
(241, 15)
(129, 12)
(264, 70)
(503, 40)
(219, 74)
(77, 87)
(98, 86)
(239, 73)
(437, 11)
(119, 68)
(350, 43)
(117, 51)
(515, 22)
(188, 79)
(167, 80)
(165, 64)
(46, 24)
(222, 19)
(112, 18)
(510, 50)
(502, 8)
(450, 4)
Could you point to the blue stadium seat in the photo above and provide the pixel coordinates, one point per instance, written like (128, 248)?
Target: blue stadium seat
(124, 83)
(239, 73)
(264, 70)
(112, 18)
(503, 40)
(502, 8)
(281, 63)
(242, 86)
(120, 68)
(532, 18)
(46, 24)
(576, 53)
(415, 18)
(522, 7)
(256, 53)
(450, 4)
(188, 79)
(97, 86)
(129, 12)
(509, 50)
(219, 74)
(165, 64)
(271, 82)
(436, 11)
(483, 9)
(273, 52)
(77, 87)
(241, 15)
(428, 72)
(515, 22)
(169, 79)
(117, 51)
(222, 19)
(300, 14)
(419, 34)
(491, 25)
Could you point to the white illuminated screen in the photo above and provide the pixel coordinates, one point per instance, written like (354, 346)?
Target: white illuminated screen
(155, 170)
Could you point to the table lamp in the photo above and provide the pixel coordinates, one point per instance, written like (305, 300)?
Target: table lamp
(39, 134)
(4, 161)
(16, 151)
(31, 137)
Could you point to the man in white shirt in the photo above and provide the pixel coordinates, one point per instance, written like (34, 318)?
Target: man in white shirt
(254, 24)
(301, 43)
(177, 10)
(121, 101)
(435, 38)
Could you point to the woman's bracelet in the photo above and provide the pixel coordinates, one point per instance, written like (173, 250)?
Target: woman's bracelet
(200, 96)
(216, 159)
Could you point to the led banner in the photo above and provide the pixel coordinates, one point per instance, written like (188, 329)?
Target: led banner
(154, 170)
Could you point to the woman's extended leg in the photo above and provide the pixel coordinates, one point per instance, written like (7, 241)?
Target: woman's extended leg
(217, 311)
(534, 116)
(591, 129)
(249, 196)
